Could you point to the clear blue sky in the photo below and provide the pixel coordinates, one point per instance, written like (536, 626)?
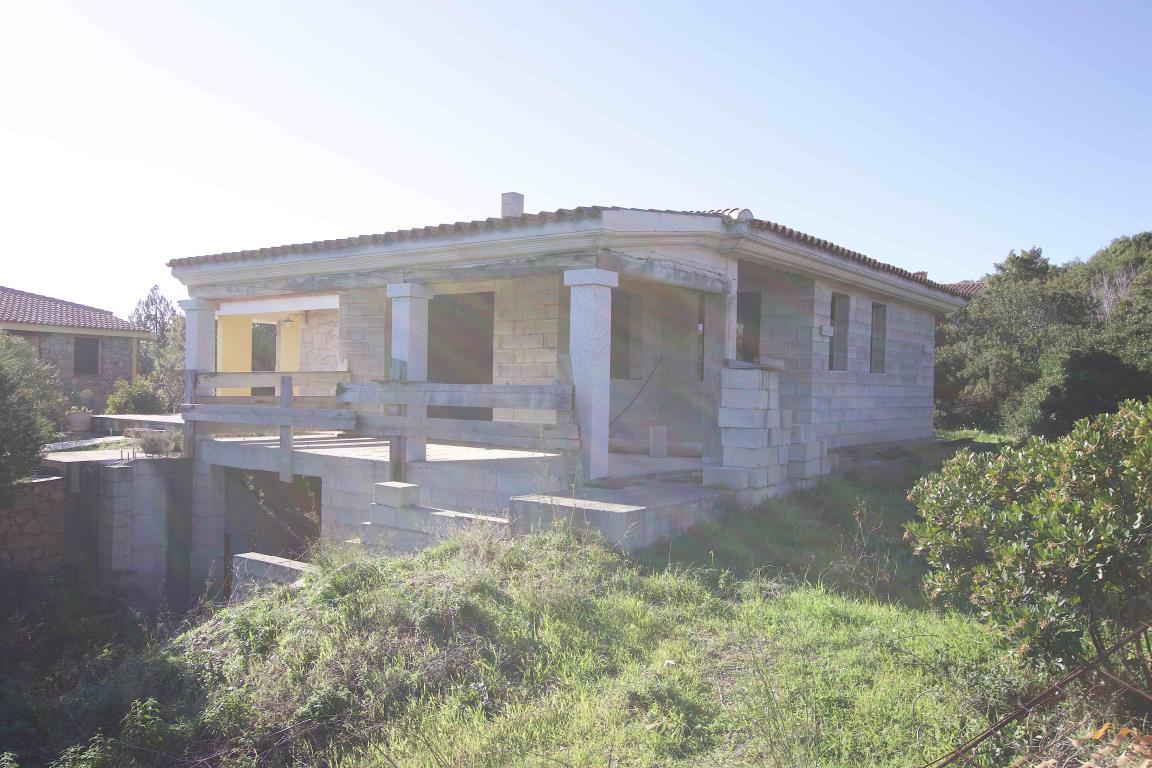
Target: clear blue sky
(932, 135)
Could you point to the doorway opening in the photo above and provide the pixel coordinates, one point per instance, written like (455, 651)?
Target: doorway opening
(460, 347)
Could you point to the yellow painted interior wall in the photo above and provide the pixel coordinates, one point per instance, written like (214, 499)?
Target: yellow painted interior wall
(234, 349)
(288, 337)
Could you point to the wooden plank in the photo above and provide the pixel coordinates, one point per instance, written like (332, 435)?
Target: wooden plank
(313, 418)
(318, 401)
(209, 381)
(512, 434)
(527, 396)
(286, 469)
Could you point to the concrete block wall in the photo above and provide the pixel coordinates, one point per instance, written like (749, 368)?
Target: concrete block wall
(526, 331)
(133, 502)
(32, 526)
(364, 332)
(857, 406)
(754, 445)
(834, 409)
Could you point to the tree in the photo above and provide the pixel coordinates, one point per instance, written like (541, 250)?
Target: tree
(155, 313)
(1029, 264)
(19, 436)
(167, 375)
(35, 381)
(1083, 383)
(992, 350)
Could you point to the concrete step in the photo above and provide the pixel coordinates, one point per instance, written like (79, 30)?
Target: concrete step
(631, 517)
(397, 530)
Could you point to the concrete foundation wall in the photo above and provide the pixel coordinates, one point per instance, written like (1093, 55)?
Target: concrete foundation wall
(32, 526)
(136, 502)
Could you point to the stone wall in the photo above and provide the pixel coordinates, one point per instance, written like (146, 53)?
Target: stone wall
(319, 346)
(32, 526)
(58, 349)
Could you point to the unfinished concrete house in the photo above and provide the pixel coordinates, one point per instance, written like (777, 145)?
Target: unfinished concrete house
(622, 367)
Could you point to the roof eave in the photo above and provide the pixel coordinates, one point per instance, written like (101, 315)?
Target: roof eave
(73, 330)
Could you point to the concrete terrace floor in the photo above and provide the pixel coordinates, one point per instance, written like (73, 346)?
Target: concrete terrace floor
(377, 449)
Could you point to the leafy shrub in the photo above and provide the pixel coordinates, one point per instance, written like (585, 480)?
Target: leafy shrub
(1080, 384)
(36, 382)
(1051, 541)
(139, 396)
(19, 436)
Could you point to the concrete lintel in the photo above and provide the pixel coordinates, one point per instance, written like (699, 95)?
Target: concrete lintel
(198, 304)
(592, 276)
(409, 291)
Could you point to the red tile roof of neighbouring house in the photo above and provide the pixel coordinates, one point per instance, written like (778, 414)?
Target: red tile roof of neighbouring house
(544, 217)
(33, 309)
(966, 288)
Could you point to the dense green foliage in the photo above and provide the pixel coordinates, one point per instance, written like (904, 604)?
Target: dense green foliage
(139, 396)
(1021, 356)
(1050, 541)
(539, 651)
(35, 382)
(1081, 383)
(19, 436)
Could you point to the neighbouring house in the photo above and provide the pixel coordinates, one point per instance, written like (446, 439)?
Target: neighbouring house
(625, 367)
(91, 348)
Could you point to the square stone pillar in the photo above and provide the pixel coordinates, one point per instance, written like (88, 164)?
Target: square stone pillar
(410, 346)
(199, 334)
(590, 345)
(199, 354)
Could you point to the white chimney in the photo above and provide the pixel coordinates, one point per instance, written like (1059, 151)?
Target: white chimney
(511, 204)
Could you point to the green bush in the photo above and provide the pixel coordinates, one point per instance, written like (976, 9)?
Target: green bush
(139, 396)
(36, 382)
(19, 436)
(1051, 541)
(1081, 383)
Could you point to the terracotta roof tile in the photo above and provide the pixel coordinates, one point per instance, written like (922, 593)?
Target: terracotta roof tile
(563, 214)
(34, 309)
(966, 288)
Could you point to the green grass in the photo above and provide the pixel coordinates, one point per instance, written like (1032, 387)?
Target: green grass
(978, 436)
(846, 532)
(546, 650)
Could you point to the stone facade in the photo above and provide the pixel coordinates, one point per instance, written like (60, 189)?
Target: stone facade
(32, 526)
(115, 359)
(319, 345)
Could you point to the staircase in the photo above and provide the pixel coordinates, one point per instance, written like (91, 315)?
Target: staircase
(398, 524)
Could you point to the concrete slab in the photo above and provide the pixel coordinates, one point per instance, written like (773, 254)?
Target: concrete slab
(631, 517)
